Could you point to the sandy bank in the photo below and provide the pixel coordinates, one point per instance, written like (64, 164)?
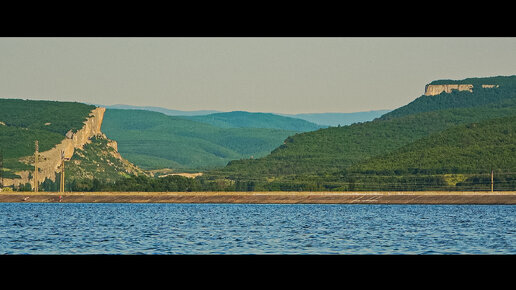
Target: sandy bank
(429, 197)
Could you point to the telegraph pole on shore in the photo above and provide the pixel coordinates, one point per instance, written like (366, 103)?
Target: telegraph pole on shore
(36, 153)
(1, 169)
(492, 181)
(61, 185)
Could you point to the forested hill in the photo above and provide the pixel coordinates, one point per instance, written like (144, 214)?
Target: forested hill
(459, 158)
(477, 147)
(320, 160)
(153, 140)
(241, 119)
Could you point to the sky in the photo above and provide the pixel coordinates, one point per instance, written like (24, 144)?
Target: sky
(287, 75)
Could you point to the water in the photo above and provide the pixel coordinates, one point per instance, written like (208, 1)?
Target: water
(56, 228)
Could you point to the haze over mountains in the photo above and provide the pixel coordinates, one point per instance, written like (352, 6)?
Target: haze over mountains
(160, 110)
(323, 119)
(340, 119)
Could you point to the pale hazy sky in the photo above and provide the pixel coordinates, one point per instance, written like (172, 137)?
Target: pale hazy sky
(282, 75)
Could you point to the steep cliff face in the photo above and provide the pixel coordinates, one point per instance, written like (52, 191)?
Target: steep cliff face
(49, 161)
(432, 90)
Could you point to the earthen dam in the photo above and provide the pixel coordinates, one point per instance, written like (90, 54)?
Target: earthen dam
(405, 197)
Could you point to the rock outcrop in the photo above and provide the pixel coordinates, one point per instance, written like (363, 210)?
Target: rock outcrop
(49, 161)
(432, 90)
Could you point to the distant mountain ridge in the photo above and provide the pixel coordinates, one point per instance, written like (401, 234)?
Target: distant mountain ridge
(339, 119)
(322, 119)
(165, 111)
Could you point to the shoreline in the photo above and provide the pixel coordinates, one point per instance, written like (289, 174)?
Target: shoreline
(272, 197)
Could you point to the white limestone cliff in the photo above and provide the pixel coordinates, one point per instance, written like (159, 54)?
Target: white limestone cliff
(432, 90)
(49, 161)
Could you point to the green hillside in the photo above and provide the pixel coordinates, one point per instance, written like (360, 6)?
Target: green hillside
(320, 160)
(471, 148)
(461, 154)
(153, 140)
(240, 119)
(24, 121)
(336, 148)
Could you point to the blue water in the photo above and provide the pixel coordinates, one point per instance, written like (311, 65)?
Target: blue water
(56, 228)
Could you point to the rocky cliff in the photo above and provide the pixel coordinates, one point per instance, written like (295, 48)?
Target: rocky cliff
(432, 90)
(50, 161)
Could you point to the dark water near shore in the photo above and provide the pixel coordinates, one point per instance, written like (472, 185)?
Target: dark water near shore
(55, 228)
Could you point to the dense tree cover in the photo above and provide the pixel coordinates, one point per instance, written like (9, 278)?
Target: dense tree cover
(132, 183)
(471, 148)
(154, 140)
(31, 114)
(466, 152)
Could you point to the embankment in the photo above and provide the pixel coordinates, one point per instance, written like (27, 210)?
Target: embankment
(431, 197)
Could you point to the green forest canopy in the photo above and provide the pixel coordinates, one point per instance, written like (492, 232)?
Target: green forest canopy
(153, 140)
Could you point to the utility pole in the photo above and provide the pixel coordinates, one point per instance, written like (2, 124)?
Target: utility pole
(1, 169)
(36, 153)
(62, 172)
(492, 181)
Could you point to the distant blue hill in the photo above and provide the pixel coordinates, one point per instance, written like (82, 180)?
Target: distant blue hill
(161, 110)
(335, 119)
(321, 119)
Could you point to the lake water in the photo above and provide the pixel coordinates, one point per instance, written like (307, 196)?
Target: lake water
(57, 228)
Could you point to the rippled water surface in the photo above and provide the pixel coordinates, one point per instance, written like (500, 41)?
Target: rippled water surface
(55, 228)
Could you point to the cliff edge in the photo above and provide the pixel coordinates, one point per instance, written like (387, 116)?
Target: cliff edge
(432, 90)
